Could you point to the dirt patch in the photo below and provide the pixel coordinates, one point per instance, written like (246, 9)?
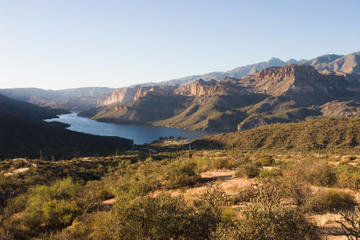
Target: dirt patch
(17, 171)
(328, 223)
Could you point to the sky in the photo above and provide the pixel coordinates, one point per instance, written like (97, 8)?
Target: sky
(57, 44)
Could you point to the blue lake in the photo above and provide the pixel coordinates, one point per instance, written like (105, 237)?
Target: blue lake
(139, 133)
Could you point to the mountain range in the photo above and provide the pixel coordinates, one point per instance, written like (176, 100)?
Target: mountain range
(239, 99)
(288, 93)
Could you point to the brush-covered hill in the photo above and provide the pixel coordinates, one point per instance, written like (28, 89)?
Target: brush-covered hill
(322, 133)
(24, 134)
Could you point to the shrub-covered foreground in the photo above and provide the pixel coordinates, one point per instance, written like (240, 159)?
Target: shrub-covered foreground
(63, 211)
(137, 197)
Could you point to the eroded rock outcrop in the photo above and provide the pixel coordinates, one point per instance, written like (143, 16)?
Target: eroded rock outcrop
(131, 94)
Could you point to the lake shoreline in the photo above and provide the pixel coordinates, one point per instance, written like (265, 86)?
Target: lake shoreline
(139, 133)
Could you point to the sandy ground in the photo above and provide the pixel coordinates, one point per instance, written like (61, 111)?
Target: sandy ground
(17, 171)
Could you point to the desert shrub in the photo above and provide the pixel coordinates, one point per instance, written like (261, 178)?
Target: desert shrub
(244, 195)
(15, 205)
(6, 236)
(162, 217)
(348, 176)
(258, 222)
(224, 163)
(44, 208)
(266, 218)
(54, 206)
(77, 231)
(317, 173)
(249, 170)
(266, 160)
(320, 174)
(139, 179)
(210, 209)
(182, 175)
(330, 200)
(295, 186)
(270, 173)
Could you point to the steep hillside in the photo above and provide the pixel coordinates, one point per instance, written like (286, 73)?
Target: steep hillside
(24, 134)
(23, 110)
(147, 109)
(218, 112)
(311, 135)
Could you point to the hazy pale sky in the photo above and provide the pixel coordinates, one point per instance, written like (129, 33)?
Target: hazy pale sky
(76, 43)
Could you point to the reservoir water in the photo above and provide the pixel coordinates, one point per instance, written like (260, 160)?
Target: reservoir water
(138, 132)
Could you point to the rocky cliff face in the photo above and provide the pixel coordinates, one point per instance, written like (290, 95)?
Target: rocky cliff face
(204, 88)
(122, 95)
(294, 79)
(131, 94)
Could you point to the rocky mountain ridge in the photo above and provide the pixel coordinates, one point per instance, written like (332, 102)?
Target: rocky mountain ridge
(277, 94)
(86, 98)
(347, 66)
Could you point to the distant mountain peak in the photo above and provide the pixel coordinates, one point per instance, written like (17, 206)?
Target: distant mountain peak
(276, 61)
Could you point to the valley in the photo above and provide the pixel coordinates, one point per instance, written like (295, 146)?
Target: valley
(179, 120)
(275, 155)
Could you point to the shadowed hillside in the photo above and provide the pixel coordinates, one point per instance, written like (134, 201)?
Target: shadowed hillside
(24, 134)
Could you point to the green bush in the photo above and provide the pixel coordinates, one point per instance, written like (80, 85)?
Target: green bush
(330, 200)
(270, 173)
(266, 218)
(258, 222)
(182, 175)
(224, 163)
(320, 174)
(160, 217)
(249, 170)
(348, 176)
(266, 160)
(44, 208)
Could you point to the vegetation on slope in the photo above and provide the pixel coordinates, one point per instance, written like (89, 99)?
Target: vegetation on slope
(213, 113)
(178, 192)
(309, 135)
(147, 109)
